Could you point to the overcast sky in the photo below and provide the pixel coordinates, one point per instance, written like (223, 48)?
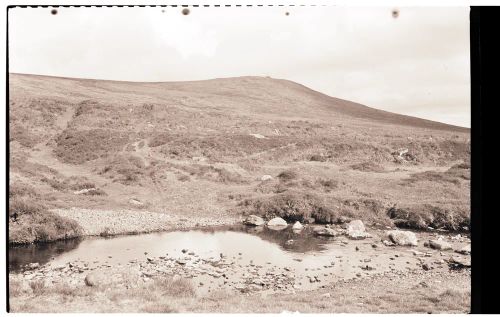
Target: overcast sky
(416, 64)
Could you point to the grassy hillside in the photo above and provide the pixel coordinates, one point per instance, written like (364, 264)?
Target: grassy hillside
(192, 148)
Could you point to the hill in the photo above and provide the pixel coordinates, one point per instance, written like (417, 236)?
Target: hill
(200, 149)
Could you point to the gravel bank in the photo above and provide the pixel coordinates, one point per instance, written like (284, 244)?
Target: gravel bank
(115, 222)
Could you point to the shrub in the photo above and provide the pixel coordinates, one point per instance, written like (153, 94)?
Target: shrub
(159, 139)
(77, 147)
(368, 167)
(183, 178)
(292, 206)
(328, 184)
(317, 158)
(21, 190)
(451, 218)
(128, 168)
(433, 176)
(55, 183)
(19, 206)
(287, 175)
(177, 287)
(38, 287)
(30, 221)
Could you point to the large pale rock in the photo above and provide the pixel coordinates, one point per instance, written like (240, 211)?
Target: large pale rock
(277, 222)
(439, 245)
(266, 178)
(93, 279)
(459, 262)
(297, 226)
(405, 238)
(254, 220)
(464, 250)
(327, 232)
(356, 230)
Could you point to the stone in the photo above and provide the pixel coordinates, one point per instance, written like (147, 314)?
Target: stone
(464, 250)
(418, 253)
(92, 279)
(388, 243)
(297, 226)
(254, 220)
(439, 245)
(258, 136)
(266, 178)
(459, 262)
(34, 265)
(135, 202)
(326, 295)
(404, 238)
(327, 232)
(277, 222)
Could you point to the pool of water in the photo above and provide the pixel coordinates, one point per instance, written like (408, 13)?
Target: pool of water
(247, 253)
(256, 244)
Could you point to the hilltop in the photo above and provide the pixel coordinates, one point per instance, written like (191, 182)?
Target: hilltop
(199, 150)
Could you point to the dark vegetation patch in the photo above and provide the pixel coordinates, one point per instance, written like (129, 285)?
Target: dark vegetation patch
(288, 175)
(73, 183)
(125, 169)
(19, 163)
(30, 221)
(453, 175)
(447, 216)
(23, 136)
(301, 205)
(160, 139)
(209, 172)
(217, 148)
(80, 146)
(368, 167)
(292, 206)
(461, 170)
(317, 158)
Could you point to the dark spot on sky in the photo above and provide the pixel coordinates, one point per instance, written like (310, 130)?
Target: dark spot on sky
(53, 11)
(185, 11)
(162, 11)
(287, 13)
(395, 13)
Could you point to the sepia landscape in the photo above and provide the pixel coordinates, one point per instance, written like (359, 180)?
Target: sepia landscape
(231, 195)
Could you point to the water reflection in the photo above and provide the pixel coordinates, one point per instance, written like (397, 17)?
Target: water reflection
(42, 253)
(254, 242)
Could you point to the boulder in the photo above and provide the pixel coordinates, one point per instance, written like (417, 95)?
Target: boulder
(355, 225)
(297, 226)
(459, 262)
(439, 245)
(277, 222)
(92, 279)
(327, 232)
(400, 237)
(266, 178)
(464, 250)
(254, 220)
(356, 230)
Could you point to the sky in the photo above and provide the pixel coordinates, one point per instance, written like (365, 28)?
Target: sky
(415, 64)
